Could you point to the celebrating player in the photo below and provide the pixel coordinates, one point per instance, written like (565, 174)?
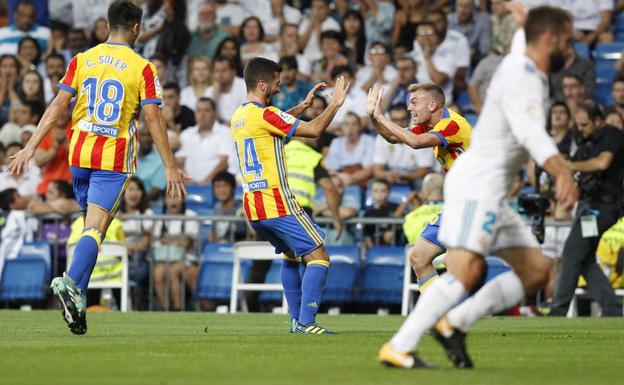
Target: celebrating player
(111, 84)
(272, 210)
(477, 220)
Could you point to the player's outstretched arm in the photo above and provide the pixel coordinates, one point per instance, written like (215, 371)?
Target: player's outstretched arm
(315, 127)
(297, 110)
(175, 177)
(56, 110)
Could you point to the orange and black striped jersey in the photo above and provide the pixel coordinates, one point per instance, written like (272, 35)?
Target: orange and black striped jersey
(110, 82)
(258, 134)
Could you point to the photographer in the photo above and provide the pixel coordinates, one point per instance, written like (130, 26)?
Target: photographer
(599, 166)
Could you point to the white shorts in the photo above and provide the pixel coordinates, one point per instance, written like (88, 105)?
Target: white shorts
(484, 227)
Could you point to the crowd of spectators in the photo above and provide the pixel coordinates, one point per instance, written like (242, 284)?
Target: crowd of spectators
(200, 47)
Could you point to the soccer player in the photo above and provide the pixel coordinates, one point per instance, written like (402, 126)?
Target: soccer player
(111, 84)
(477, 220)
(447, 132)
(259, 133)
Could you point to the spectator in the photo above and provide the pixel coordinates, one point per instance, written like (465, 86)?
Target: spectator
(455, 48)
(152, 24)
(288, 45)
(381, 208)
(29, 53)
(230, 48)
(573, 90)
(434, 58)
(481, 78)
(227, 90)
(349, 208)
(59, 199)
(407, 18)
(559, 127)
(14, 226)
(474, 25)
(398, 92)
(579, 66)
(25, 183)
(208, 36)
(617, 90)
(615, 119)
(100, 32)
(319, 104)
(177, 116)
(138, 234)
(31, 87)
(59, 41)
(162, 70)
(230, 16)
(85, 13)
(52, 154)
(9, 75)
(54, 69)
(199, 79)
(27, 132)
(399, 163)
(77, 42)
(331, 46)
(291, 91)
(380, 71)
(350, 156)
(353, 31)
(174, 254)
(223, 186)
(354, 103)
(252, 35)
(150, 168)
(591, 19)
(175, 37)
(205, 147)
(503, 27)
(24, 113)
(24, 25)
(311, 27)
(379, 17)
(273, 14)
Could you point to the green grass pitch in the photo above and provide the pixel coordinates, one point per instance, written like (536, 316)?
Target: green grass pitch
(206, 348)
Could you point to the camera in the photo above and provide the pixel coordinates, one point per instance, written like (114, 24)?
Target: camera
(535, 207)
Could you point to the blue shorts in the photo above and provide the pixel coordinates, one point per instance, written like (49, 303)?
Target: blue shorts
(101, 188)
(294, 232)
(430, 232)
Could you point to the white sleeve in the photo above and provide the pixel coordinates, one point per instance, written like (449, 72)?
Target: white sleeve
(462, 53)
(380, 155)
(226, 149)
(524, 112)
(518, 42)
(605, 5)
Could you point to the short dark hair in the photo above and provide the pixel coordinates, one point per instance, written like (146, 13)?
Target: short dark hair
(260, 28)
(206, 99)
(287, 25)
(398, 107)
(14, 144)
(55, 55)
(618, 79)
(7, 198)
(225, 59)
(172, 86)
(382, 181)
(160, 57)
(340, 70)
(289, 62)
(260, 69)
(65, 188)
(123, 14)
(37, 45)
(574, 75)
(332, 35)
(35, 107)
(225, 176)
(592, 109)
(545, 18)
(385, 46)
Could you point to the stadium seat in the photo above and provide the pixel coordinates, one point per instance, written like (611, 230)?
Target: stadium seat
(463, 101)
(214, 280)
(609, 51)
(382, 277)
(273, 276)
(39, 249)
(25, 278)
(199, 197)
(472, 119)
(238, 193)
(582, 50)
(343, 274)
(602, 92)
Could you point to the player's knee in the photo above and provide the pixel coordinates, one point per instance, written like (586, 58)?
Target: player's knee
(418, 260)
(469, 270)
(539, 277)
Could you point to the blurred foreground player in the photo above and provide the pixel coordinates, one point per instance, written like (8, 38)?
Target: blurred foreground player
(111, 84)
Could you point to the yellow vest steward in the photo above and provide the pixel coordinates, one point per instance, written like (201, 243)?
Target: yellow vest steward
(301, 161)
(417, 219)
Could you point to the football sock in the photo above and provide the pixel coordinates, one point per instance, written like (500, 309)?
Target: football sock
(312, 287)
(291, 281)
(85, 256)
(499, 294)
(427, 280)
(442, 295)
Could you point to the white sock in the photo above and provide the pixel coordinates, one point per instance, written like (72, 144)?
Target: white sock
(499, 294)
(441, 296)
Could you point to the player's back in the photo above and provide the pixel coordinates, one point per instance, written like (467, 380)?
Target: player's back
(110, 82)
(258, 133)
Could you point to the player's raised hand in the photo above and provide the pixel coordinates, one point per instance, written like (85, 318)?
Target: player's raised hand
(18, 163)
(175, 182)
(307, 102)
(340, 92)
(373, 101)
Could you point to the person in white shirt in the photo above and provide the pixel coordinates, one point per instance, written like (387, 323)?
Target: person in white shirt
(355, 101)
(55, 69)
(13, 224)
(591, 19)
(227, 90)
(288, 45)
(311, 27)
(272, 14)
(23, 26)
(477, 220)
(398, 162)
(25, 183)
(199, 80)
(204, 148)
(379, 71)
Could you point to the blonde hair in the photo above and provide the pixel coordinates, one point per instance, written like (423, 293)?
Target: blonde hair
(431, 88)
(199, 59)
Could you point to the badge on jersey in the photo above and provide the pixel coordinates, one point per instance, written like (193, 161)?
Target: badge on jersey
(288, 118)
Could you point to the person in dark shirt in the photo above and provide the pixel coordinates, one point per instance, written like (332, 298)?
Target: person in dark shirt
(177, 116)
(382, 208)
